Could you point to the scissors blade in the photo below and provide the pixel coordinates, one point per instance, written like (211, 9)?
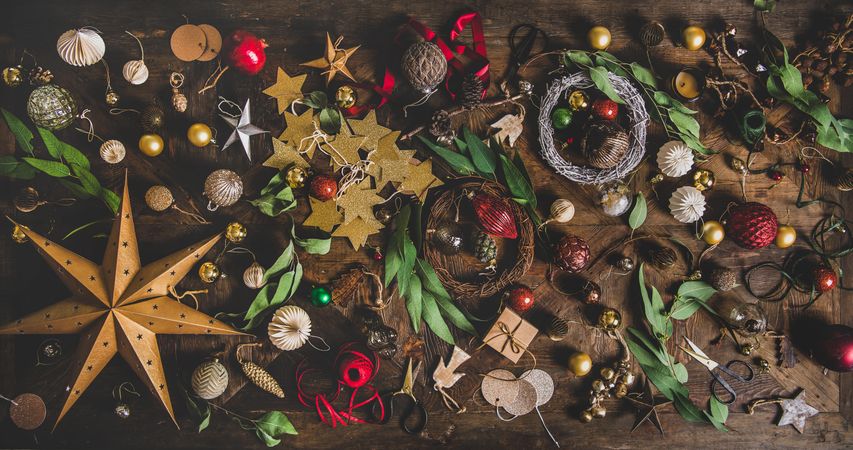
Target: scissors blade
(408, 380)
(699, 355)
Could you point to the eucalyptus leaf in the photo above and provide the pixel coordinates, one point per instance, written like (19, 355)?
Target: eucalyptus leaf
(313, 246)
(482, 157)
(110, 199)
(644, 75)
(718, 410)
(410, 254)
(23, 135)
(680, 372)
(393, 259)
(602, 83)
(684, 307)
(432, 317)
(455, 315)
(699, 290)
(51, 142)
(414, 301)
(764, 5)
(609, 62)
(517, 182)
(52, 168)
(87, 180)
(457, 161)
(461, 145)
(72, 155)
(639, 212)
(430, 279)
(281, 264)
(685, 123)
(12, 167)
(199, 410)
(275, 423)
(579, 57)
(75, 189)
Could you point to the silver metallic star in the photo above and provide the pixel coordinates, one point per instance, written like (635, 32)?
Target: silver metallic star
(243, 130)
(795, 411)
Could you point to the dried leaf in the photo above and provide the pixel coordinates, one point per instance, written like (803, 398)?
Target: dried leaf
(787, 353)
(413, 347)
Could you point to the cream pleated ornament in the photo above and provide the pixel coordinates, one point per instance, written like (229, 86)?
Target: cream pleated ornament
(136, 72)
(675, 159)
(112, 151)
(253, 276)
(290, 328)
(81, 47)
(687, 204)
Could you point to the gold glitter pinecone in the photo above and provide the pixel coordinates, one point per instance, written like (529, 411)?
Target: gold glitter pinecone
(472, 91)
(179, 102)
(663, 257)
(261, 378)
(159, 198)
(722, 279)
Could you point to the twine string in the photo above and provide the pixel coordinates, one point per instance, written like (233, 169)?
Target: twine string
(191, 294)
(8, 400)
(118, 111)
(127, 387)
(325, 347)
(226, 102)
(141, 49)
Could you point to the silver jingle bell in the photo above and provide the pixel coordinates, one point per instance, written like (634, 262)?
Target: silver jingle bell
(122, 410)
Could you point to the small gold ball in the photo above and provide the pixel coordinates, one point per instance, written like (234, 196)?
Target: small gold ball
(609, 319)
(580, 363)
(578, 100)
(199, 134)
(738, 165)
(112, 98)
(703, 179)
(295, 177)
(694, 37)
(599, 411)
(713, 232)
(159, 198)
(599, 38)
(345, 97)
(621, 390)
(629, 378)
(208, 272)
(18, 234)
(607, 373)
(586, 416)
(746, 349)
(786, 235)
(598, 386)
(151, 144)
(12, 76)
(235, 232)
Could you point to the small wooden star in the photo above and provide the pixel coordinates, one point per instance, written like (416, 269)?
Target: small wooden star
(358, 230)
(795, 410)
(334, 60)
(286, 89)
(420, 180)
(647, 408)
(368, 128)
(298, 132)
(284, 155)
(324, 215)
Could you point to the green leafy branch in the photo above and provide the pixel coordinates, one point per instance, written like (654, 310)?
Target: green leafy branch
(268, 428)
(330, 117)
(676, 118)
(426, 298)
(651, 352)
(68, 165)
(276, 197)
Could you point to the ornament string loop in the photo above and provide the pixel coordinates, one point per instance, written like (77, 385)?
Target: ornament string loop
(8, 400)
(325, 347)
(226, 102)
(118, 111)
(176, 80)
(191, 294)
(90, 133)
(449, 402)
(125, 387)
(141, 49)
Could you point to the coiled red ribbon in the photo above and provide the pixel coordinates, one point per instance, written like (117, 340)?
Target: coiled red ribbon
(355, 371)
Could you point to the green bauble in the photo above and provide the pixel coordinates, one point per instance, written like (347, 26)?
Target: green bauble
(320, 296)
(51, 107)
(561, 118)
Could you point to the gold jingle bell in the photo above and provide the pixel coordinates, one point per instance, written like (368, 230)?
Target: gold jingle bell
(703, 179)
(235, 232)
(111, 99)
(609, 319)
(599, 37)
(12, 76)
(295, 177)
(345, 97)
(713, 232)
(199, 134)
(694, 37)
(578, 100)
(209, 272)
(18, 234)
(151, 144)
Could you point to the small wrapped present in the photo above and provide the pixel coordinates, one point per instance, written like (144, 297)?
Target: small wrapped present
(510, 335)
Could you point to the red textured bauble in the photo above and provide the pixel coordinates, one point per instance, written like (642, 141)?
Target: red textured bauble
(520, 299)
(832, 347)
(751, 225)
(824, 279)
(323, 187)
(571, 253)
(604, 108)
(494, 215)
(245, 52)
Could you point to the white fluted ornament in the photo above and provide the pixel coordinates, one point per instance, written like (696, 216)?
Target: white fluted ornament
(81, 47)
(136, 72)
(253, 276)
(112, 151)
(289, 328)
(675, 159)
(562, 211)
(687, 204)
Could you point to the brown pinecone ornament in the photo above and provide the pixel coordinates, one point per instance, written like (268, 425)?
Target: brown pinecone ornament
(663, 257)
(472, 91)
(571, 253)
(651, 35)
(40, 76)
(258, 375)
(722, 279)
(424, 66)
(442, 127)
(605, 143)
(844, 181)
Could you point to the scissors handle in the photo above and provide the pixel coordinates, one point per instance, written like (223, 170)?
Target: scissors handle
(728, 370)
(413, 417)
(719, 381)
(748, 375)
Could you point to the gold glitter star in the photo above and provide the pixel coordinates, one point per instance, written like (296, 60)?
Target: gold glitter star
(334, 60)
(284, 155)
(371, 130)
(390, 164)
(324, 215)
(358, 231)
(298, 128)
(345, 146)
(286, 89)
(420, 180)
(358, 201)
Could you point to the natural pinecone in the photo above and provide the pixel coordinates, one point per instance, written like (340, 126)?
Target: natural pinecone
(663, 257)
(262, 379)
(472, 91)
(442, 127)
(40, 76)
(722, 279)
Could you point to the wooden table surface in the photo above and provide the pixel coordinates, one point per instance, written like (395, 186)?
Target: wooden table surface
(296, 32)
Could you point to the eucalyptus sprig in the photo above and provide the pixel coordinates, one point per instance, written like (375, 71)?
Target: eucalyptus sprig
(68, 165)
(330, 117)
(676, 118)
(276, 197)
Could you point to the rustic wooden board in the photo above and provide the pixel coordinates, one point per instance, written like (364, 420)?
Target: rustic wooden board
(296, 31)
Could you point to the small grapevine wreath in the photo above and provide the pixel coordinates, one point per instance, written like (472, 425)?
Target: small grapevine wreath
(637, 114)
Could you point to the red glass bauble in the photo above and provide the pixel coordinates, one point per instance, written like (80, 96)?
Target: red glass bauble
(494, 215)
(604, 108)
(571, 253)
(775, 175)
(323, 187)
(520, 299)
(751, 225)
(832, 347)
(824, 279)
(245, 52)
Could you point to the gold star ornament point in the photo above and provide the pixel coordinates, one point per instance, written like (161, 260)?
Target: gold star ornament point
(334, 60)
(286, 89)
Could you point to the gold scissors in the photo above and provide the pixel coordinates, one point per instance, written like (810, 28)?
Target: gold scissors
(711, 365)
(411, 407)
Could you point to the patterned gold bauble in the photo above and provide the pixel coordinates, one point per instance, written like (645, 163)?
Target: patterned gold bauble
(51, 107)
(112, 151)
(652, 34)
(199, 134)
(12, 76)
(609, 319)
(295, 177)
(844, 180)
(345, 97)
(151, 144)
(558, 330)
(222, 188)
(209, 379)
(703, 179)
(153, 118)
(27, 200)
(253, 276)
(235, 232)
(18, 234)
(209, 272)
(111, 98)
(159, 198)
(578, 101)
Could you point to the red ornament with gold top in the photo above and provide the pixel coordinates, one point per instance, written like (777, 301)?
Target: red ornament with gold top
(604, 108)
(824, 279)
(245, 52)
(520, 299)
(494, 215)
(323, 187)
(752, 225)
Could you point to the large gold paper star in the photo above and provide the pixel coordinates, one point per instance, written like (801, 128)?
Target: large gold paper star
(358, 231)
(389, 163)
(334, 60)
(420, 180)
(371, 130)
(298, 132)
(345, 149)
(118, 307)
(286, 89)
(358, 201)
(324, 215)
(284, 155)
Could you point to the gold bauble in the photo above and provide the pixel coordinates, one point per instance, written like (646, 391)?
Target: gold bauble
(159, 198)
(209, 272)
(694, 37)
(12, 76)
(295, 177)
(580, 363)
(599, 37)
(345, 97)
(199, 134)
(598, 411)
(703, 179)
(578, 101)
(112, 98)
(713, 232)
(786, 235)
(235, 232)
(607, 373)
(18, 234)
(609, 319)
(151, 144)
(586, 416)
(621, 390)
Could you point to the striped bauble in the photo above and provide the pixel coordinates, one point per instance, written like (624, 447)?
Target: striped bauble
(210, 379)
